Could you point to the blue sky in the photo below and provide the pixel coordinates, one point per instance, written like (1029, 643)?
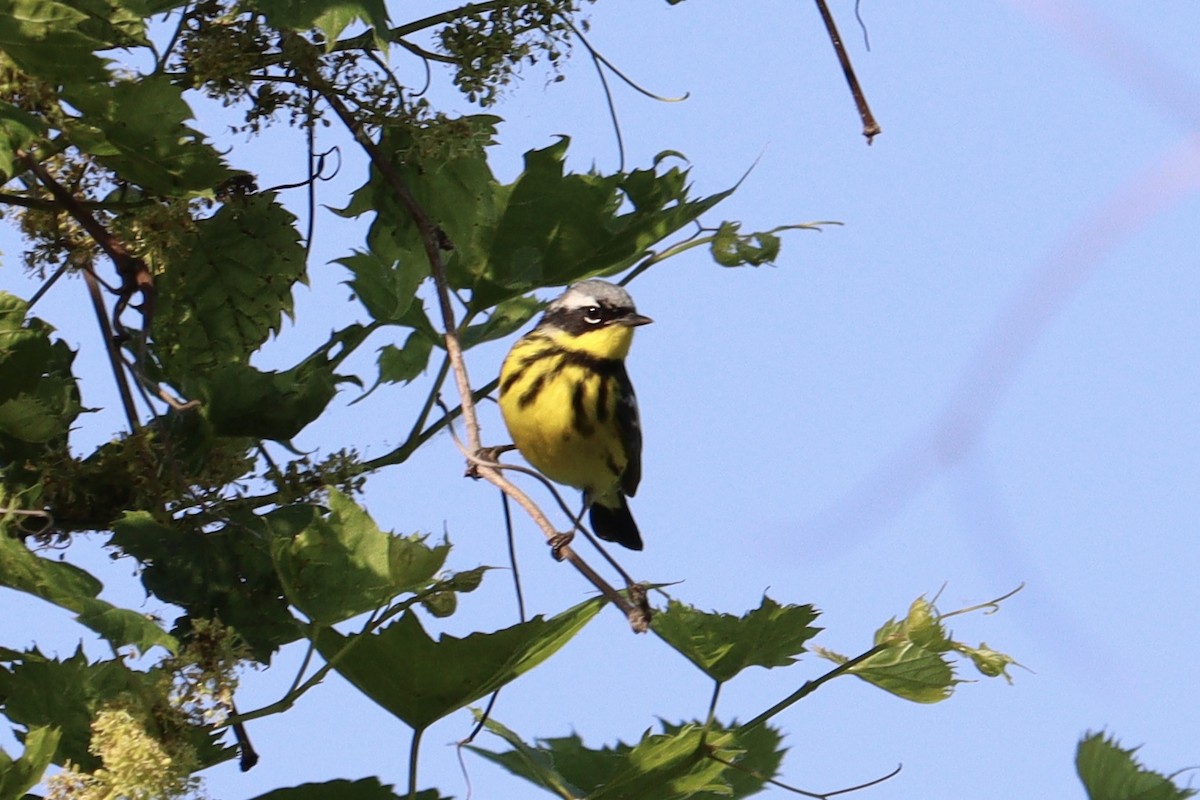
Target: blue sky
(986, 376)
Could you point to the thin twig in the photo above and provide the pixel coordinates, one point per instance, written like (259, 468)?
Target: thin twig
(871, 128)
(111, 348)
(796, 789)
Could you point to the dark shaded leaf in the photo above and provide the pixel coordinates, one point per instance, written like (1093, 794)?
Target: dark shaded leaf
(502, 320)
(557, 228)
(1110, 772)
(388, 287)
(240, 400)
(39, 398)
(330, 18)
(40, 691)
(665, 766)
(404, 364)
(227, 575)
(362, 789)
(420, 680)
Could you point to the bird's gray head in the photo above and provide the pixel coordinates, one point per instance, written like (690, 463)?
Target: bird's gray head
(591, 304)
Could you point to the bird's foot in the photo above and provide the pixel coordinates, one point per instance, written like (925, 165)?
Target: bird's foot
(486, 455)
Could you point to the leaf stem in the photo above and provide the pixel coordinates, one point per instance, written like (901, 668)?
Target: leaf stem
(413, 749)
(811, 686)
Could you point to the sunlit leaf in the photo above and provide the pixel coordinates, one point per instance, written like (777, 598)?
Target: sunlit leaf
(723, 644)
(17, 130)
(22, 774)
(731, 248)
(137, 128)
(914, 658)
(72, 588)
(342, 564)
(229, 289)
(57, 40)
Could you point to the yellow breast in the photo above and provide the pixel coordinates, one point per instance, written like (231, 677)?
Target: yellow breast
(562, 415)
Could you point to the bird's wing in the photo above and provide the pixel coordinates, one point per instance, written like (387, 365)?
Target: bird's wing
(631, 433)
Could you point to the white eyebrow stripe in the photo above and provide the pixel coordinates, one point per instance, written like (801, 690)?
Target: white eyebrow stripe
(573, 300)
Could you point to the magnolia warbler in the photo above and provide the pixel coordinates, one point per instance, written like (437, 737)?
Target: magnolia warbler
(569, 405)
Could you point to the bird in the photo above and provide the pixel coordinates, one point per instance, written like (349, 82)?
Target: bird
(569, 405)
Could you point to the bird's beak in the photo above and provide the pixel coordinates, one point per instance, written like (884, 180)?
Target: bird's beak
(633, 320)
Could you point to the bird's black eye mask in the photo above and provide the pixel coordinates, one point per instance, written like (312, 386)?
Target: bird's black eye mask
(582, 319)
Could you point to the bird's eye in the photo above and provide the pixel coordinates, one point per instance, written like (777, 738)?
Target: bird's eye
(591, 315)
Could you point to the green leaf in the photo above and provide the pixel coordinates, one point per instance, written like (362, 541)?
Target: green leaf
(228, 287)
(664, 766)
(906, 670)
(761, 755)
(502, 320)
(39, 398)
(723, 644)
(914, 660)
(557, 228)
(41, 692)
(342, 564)
(388, 287)
(404, 364)
(21, 775)
(74, 589)
(226, 574)
(331, 18)
(420, 680)
(538, 765)
(28, 419)
(137, 128)
(1110, 772)
(733, 249)
(362, 789)
(17, 130)
(56, 40)
(240, 400)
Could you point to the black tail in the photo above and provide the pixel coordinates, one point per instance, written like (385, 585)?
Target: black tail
(615, 524)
